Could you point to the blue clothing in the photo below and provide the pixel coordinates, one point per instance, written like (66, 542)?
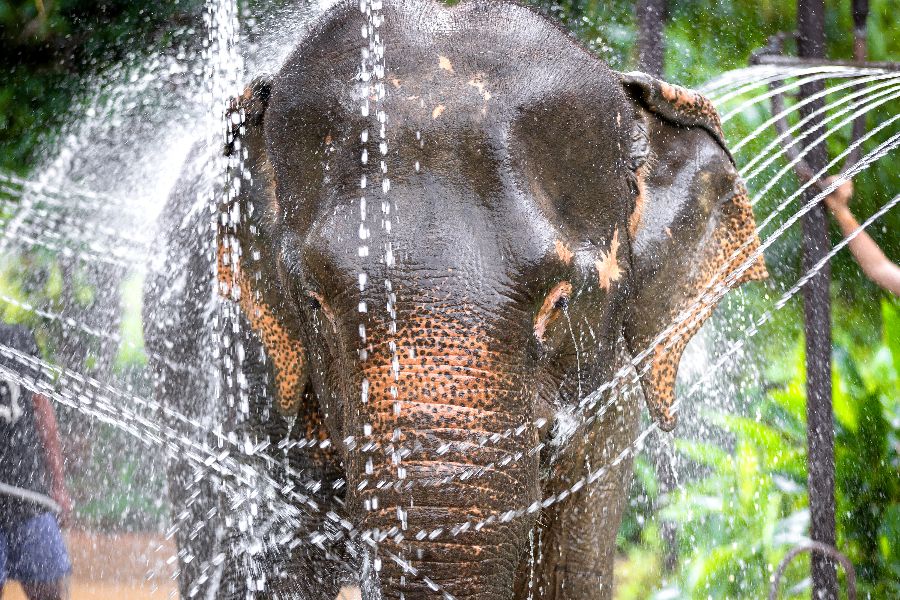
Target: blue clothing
(33, 551)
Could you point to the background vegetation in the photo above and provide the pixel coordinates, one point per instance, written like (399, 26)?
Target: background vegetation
(747, 507)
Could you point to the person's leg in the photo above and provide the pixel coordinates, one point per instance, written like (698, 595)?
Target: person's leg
(38, 558)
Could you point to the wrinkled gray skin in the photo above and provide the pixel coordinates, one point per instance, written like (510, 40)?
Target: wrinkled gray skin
(519, 274)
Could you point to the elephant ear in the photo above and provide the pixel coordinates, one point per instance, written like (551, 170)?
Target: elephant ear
(676, 104)
(247, 260)
(692, 230)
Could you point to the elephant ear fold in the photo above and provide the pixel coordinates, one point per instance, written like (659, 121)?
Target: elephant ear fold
(697, 238)
(676, 104)
(245, 114)
(246, 263)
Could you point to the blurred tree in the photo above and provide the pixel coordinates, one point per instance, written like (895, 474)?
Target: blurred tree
(47, 46)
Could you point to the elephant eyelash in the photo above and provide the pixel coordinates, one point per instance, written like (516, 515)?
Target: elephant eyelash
(314, 301)
(317, 304)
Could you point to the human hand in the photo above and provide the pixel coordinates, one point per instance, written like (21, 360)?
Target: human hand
(839, 199)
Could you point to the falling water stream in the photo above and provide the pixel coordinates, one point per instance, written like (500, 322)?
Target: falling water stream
(90, 205)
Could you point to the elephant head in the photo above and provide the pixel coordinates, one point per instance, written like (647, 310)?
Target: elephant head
(469, 258)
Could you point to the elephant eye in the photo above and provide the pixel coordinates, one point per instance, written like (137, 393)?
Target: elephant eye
(313, 301)
(554, 303)
(316, 303)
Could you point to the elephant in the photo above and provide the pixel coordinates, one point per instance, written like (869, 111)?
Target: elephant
(438, 253)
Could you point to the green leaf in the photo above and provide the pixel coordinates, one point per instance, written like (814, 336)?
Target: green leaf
(890, 319)
(132, 351)
(765, 437)
(748, 475)
(845, 408)
(54, 287)
(705, 453)
(889, 536)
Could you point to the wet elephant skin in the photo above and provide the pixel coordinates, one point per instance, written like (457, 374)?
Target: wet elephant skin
(548, 219)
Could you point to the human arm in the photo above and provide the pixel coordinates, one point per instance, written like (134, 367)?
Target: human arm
(45, 420)
(871, 259)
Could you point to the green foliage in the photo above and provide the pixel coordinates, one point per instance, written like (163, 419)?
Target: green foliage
(131, 352)
(736, 523)
(640, 568)
(699, 32)
(867, 457)
(749, 508)
(606, 27)
(117, 489)
(45, 58)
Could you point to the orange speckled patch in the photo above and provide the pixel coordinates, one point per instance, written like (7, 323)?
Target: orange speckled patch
(608, 269)
(444, 365)
(549, 312)
(438, 111)
(445, 64)
(563, 252)
(449, 379)
(634, 222)
(286, 353)
(692, 103)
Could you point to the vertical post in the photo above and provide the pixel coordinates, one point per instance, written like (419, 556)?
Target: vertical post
(860, 11)
(860, 33)
(651, 16)
(817, 327)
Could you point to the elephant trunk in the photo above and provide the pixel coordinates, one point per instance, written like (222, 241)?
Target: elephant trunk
(422, 548)
(424, 479)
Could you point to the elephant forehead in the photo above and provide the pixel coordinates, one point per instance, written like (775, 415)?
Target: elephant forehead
(443, 65)
(485, 105)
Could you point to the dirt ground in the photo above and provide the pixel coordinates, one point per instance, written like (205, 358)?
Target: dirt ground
(112, 567)
(125, 566)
